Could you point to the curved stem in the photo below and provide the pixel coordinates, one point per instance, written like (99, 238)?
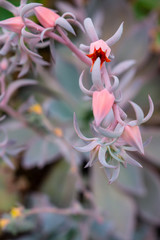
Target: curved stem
(64, 40)
(73, 48)
(75, 210)
(48, 34)
(117, 114)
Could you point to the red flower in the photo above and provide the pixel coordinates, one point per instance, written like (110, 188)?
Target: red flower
(99, 49)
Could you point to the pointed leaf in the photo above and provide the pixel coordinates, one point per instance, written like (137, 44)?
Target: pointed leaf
(96, 75)
(102, 157)
(15, 85)
(115, 84)
(122, 67)
(52, 50)
(80, 135)
(115, 174)
(84, 47)
(83, 89)
(139, 114)
(111, 134)
(90, 29)
(64, 24)
(131, 161)
(87, 148)
(114, 156)
(111, 41)
(29, 7)
(151, 110)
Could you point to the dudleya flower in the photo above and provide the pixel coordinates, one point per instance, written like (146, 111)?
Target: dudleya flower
(114, 134)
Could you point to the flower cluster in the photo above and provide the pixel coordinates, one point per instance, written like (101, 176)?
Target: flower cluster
(114, 134)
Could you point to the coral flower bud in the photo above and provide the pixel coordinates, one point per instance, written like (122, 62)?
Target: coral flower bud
(14, 24)
(132, 136)
(102, 103)
(46, 16)
(99, 49)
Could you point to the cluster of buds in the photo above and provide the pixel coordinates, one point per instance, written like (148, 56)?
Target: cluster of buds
(114, 134)
(24, 37)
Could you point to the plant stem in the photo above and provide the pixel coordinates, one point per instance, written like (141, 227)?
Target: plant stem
(73, 48)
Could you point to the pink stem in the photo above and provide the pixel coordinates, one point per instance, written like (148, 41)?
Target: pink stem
(117, 114)
(73, 48)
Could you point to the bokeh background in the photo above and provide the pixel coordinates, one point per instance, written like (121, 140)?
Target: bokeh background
(132, 203)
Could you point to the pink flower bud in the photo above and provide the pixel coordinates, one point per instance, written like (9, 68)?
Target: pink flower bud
(46, 16)
(102, 103)
(99, 49)
(14, 24)
(132, 136)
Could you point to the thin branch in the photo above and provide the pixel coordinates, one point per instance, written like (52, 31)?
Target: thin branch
(75, 210)
(73, 48)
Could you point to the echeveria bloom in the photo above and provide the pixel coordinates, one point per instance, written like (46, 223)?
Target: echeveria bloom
(102, 103)
(99, 49)
(46, 16)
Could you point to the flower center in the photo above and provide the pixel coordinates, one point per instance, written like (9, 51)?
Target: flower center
(98, 53)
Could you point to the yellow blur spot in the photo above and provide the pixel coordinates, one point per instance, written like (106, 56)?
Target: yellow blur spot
(16, 212)
(4, 222)
(36, 108)
(58, 132)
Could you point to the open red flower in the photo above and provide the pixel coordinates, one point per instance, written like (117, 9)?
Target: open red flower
(99, 49)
